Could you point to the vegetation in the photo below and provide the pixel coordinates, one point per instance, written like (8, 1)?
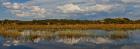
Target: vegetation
(66, 22)
(50, 35)
(72, 34)
(119, 35)
(15, 28)
(79, 26)
(108, 23)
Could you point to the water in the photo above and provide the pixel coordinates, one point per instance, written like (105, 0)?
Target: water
(71, 39)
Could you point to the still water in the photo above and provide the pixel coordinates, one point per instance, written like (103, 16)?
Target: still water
(71, 39)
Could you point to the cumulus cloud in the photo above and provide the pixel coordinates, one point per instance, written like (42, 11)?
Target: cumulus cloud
(99, 8)
(95, 8)
(69, 8)
(37, 9)
(23, 10)
(72, 8)
(14, 6)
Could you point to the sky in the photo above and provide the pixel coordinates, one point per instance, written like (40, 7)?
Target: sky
(69, 9)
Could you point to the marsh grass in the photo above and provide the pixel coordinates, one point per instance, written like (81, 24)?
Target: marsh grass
(77, 26)
(14, 34)
(119, 35)
(65, 33)
(72, 34)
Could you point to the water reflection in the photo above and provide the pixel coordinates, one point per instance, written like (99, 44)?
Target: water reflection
(70, 37)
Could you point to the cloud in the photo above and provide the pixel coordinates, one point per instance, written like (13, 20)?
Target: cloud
(131, 1)
(22, 14)
(73, 9)
(100, 8)
(23, 10)
(37, 9)
(69, 8)
(14, 6)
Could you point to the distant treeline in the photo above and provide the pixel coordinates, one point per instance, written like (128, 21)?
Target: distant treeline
(66, 21)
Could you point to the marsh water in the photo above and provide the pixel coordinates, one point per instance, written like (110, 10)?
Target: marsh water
(71, 39)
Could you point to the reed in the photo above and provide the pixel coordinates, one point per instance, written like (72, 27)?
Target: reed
(78, 26)
(72, 34)
(13, 34)
(119, 35)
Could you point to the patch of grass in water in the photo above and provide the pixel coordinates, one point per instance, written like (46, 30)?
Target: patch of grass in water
(119, 35)
(72, 34)
(14, 34)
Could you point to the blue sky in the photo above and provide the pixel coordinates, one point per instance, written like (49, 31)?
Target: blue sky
(69, 9)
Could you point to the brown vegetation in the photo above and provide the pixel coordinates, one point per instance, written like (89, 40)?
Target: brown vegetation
(77, 26)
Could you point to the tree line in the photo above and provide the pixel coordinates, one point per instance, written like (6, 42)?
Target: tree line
(66, 21)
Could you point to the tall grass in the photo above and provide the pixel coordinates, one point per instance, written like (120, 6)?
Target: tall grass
(72, 34)
(6, 33)
(119, 35)
(61, 34)
(78, 26)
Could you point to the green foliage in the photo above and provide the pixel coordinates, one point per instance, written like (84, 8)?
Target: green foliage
(73, 22)
(118, 20)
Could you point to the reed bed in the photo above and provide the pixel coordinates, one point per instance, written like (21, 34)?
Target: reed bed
(62, 34)
(68, 34)
(119, 35)
(72, 34)
(78, 26)
(13, 34)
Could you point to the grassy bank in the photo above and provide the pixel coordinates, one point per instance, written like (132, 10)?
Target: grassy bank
(78, 26)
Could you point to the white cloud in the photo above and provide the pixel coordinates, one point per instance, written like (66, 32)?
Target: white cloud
(22, 14)
(131, 1)
(22, 10)
(70, 8)
(14, 6)
(7, 4)
(99, 8)
(37, 9)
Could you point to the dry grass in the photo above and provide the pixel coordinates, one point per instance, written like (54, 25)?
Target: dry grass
(61, 34)
(78, 26)
(72, 34)
(119, 35)
(5, 33)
